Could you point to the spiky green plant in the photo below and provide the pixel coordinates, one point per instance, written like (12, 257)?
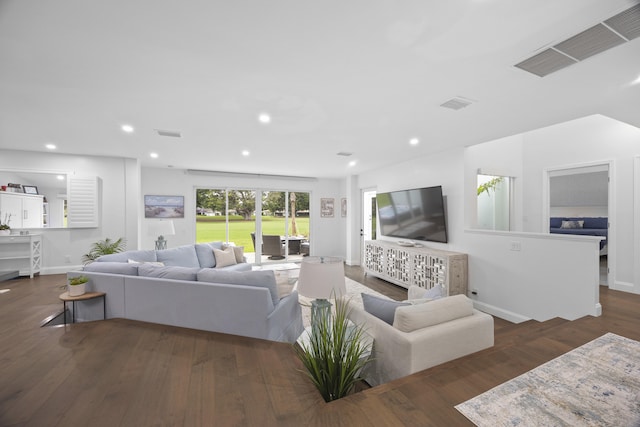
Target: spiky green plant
(104, 247)
(333, 355)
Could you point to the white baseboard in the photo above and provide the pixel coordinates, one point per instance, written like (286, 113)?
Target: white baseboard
(63, 269)
(499, 312)
(624, 287)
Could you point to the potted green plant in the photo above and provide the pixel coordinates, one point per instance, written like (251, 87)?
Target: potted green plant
(77, 285)
(104, 247)
(334, 353)
(5, 230)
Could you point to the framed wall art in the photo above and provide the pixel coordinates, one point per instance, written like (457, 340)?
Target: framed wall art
(343, 207)
(164, 206)
(326, 208)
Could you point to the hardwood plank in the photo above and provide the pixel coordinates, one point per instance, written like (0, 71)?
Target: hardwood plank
(125, 373)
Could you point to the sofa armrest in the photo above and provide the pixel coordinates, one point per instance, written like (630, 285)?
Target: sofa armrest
(285, 321)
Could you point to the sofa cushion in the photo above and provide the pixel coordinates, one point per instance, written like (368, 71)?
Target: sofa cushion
(173, 272)
(182, 256)
(414, 317)
(598, 222)
(383, 309)
(555, 222)
(204, 252)
(224, 258)
(158, 263)
(140, 256)
(113, 268)
(258, 278)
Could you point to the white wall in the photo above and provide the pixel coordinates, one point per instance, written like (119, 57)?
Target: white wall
(63, 247)
(550, 276)
(446, 169)
(584, 141)
(327, 235)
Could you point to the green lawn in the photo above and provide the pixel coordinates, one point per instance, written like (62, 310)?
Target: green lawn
(212, 228)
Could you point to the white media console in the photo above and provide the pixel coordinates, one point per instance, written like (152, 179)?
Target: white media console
(421, 266)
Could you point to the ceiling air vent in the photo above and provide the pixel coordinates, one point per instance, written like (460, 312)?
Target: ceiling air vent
(457, 103)
(590, 42)
(546, 62)
(344, 154)
(626, 23)
(603, 36)
(170, 133)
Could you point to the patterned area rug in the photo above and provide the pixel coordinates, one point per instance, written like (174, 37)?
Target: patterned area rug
(597, 384)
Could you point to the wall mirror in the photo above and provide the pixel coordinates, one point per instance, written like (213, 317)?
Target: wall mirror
(51, 185)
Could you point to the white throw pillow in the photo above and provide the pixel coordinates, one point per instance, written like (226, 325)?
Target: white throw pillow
(224, 258)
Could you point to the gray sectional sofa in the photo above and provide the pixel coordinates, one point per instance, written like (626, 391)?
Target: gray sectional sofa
(184, 287)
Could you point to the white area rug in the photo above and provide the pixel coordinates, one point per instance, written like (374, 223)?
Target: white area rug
(354, 289)
(597, 384)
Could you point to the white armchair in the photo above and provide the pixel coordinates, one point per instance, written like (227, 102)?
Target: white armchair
(422, 336)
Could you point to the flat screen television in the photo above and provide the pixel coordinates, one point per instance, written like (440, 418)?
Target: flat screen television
(416, 214)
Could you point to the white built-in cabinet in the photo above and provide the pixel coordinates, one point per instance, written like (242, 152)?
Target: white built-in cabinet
(21, 253)
(420, 266)
(26, 210)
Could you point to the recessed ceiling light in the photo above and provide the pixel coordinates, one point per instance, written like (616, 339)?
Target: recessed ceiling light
(414, 141)
(352, 163)
(153, 155)
(245, 152)
(60, 177)
(636, 81)
(264, 118)
(51, 146)
(127, 128)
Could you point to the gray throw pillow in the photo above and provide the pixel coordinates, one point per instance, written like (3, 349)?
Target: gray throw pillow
(383, 309)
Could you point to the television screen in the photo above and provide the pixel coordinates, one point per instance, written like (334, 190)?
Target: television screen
(416, 214)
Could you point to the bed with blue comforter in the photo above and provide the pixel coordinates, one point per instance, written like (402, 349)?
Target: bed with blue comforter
(581, 226)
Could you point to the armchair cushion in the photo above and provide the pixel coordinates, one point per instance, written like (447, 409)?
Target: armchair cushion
(414, 317)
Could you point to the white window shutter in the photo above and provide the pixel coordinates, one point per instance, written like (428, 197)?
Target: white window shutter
(82, 202)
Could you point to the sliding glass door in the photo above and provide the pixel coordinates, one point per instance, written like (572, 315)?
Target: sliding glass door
(272, 226)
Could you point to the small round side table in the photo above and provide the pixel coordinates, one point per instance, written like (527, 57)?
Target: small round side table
(65, 298)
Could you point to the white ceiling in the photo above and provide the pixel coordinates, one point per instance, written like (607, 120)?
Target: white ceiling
(360, 76)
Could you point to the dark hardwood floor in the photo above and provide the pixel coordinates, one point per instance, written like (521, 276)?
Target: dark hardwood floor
(126, 373)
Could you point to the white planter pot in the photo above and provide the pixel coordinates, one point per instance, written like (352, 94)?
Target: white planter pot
(76, 290)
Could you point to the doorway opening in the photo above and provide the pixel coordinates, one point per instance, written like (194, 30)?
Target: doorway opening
(581, 196)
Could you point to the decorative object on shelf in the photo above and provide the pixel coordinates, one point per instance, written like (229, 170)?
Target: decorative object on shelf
(164, 206)
(321, 278)
(104, 247)
(5, 229)
(14, 188)
(327, 207)
(161, 229)
(30, 189)
(77, 285)
(335, 353)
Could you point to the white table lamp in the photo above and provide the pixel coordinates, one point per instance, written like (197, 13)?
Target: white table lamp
(162, 229)
(321, 278)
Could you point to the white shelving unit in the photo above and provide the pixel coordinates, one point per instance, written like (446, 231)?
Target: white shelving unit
(21, 253)
(421, 266)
